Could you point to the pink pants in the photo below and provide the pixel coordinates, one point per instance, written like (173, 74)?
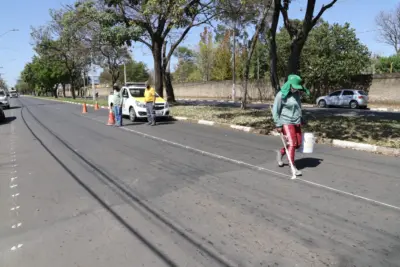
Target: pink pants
(293, 136)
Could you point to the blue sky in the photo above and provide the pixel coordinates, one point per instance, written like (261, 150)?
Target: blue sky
(16, 49)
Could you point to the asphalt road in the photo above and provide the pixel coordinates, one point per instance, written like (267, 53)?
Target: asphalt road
(313, 112)
(75, 192)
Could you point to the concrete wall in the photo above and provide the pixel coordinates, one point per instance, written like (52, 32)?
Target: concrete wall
(385, 88)
(222, 90)
(381, 88)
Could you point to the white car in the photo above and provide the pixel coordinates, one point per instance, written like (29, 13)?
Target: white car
(133, 102)
(4, 99)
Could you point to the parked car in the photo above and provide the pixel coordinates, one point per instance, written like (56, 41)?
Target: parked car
(134, 105)
(344, 98)
(13, 93)
(4, 99)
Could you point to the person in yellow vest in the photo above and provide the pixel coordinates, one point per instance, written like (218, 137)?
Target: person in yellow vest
(150, 100)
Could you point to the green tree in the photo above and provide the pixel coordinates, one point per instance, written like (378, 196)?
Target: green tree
(135, 71)
(186, 64)
(3, 84)
(153, 23)
(205, 56)
(222, 66)
(332, 55)
(63, 41)
(388, 64)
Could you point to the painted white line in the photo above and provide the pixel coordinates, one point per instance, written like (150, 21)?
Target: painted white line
(15, 208)
(13, 178)
(259, 168)
(15, 195)
(241, 128)
(180, 118)
(206, 122)
(16, 225)
(16, 165)
(13, 186)
(16, 247)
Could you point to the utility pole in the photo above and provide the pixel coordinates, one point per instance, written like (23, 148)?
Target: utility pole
(84, 84)
(124, 74)
(93, 69)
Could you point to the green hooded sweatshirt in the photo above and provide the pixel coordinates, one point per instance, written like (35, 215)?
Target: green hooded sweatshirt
(287, 106)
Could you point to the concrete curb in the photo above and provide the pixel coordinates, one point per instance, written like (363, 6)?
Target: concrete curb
(334, 142)
(269, 103)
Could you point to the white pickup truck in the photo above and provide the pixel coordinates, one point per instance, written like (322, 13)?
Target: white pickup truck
(133, 104)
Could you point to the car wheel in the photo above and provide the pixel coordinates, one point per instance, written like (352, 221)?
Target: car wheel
(353, 104)
(132, 114)
(322, 104)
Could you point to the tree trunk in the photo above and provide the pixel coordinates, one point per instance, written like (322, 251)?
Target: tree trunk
(272, 51)
(158, 71)
(234, 64)
(63, 88)
(55, 90)
(166, 66)
(294, 59)
(168, 84)
(259, 27)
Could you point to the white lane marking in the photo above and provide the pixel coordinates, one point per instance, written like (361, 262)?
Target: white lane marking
(255, 167)
(15, 208)
(15, 195)
(16, 247)
(16, 225)
(13, 178)
(15, 165)
(13, 185)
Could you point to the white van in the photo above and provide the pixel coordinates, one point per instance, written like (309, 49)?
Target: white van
(133, 102)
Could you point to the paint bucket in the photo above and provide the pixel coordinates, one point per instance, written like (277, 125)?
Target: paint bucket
(307, 146)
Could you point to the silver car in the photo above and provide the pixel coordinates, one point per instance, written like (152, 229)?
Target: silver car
(344, 98)
(4, 99)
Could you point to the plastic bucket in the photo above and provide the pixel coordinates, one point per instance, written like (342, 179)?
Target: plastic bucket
(307, 146)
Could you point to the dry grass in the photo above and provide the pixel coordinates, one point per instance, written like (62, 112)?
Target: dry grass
(370, 130)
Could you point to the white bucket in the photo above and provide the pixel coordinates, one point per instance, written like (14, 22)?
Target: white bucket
(307, 146)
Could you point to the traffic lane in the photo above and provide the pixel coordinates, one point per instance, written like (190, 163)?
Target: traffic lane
(360, 173)
(57, 214)
(228, 206)
(364, 174)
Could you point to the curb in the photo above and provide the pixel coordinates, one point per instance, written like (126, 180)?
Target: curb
(334, 142)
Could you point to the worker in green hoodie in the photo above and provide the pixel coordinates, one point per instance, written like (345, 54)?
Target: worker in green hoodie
(288, 117)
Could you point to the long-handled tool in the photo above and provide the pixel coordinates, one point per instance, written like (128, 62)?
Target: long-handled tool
(288, 156)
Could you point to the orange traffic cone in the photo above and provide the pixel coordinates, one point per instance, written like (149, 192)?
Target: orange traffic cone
(84, 108)
(111, 119)
(96, 106)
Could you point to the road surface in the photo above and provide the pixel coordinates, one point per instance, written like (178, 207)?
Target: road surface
(75, 192)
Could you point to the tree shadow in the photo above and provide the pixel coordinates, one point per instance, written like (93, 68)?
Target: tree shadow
(304, 163)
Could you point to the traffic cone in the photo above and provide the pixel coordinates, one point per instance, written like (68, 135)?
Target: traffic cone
(96, 106)
(84, 108)
(111, 119)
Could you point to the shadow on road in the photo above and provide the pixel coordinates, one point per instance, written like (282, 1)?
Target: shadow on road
(305, 163)
(14, 107)
(8, 119)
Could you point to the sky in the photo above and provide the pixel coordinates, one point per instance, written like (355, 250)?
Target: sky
(16, 49)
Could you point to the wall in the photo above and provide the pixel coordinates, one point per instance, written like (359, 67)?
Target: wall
(380, 87)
